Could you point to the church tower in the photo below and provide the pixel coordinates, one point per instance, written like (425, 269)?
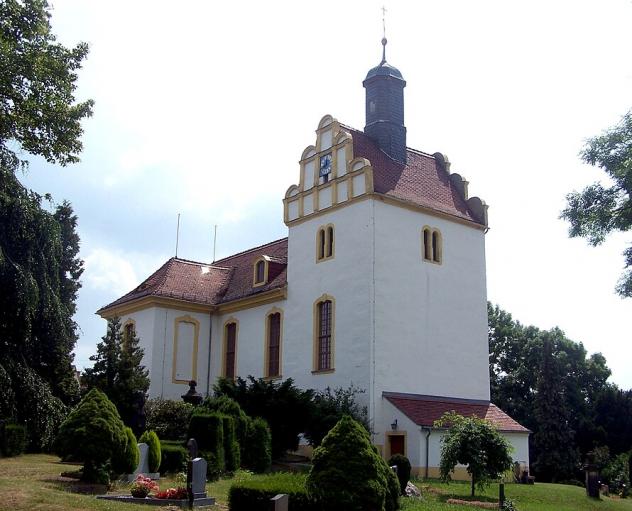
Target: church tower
(384, 86)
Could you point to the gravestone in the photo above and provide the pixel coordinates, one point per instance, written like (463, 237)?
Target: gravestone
(198, 478)
(280, 502)
(143, 465)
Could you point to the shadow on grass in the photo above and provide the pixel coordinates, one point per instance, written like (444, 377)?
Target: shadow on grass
(73, 485)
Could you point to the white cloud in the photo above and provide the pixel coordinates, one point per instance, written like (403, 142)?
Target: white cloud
(109, 271)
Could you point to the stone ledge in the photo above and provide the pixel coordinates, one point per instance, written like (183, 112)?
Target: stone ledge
(150, 501)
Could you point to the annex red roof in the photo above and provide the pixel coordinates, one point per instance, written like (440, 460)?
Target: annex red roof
(425, 410)
(214, 283)
(421, 180)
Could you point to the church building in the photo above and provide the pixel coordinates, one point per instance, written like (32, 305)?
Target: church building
(380, 283)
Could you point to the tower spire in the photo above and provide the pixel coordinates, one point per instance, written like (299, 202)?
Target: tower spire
(384, 40)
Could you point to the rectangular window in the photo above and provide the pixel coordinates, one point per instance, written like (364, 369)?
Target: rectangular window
(274, 344)
(231, 340)
(324, 335)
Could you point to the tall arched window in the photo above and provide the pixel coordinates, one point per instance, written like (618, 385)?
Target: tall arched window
(432, 245)
(325, 243)
(273, 345)
(324, 334)
(260, 271)
(230, 349)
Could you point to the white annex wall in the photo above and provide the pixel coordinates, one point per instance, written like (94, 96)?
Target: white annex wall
(436, 314)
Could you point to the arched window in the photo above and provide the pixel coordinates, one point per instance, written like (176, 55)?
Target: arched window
(129, 330)
(432, 245)
(230, 349)
(324, 334)
(273, 345)
(325, 243)
(260, 271)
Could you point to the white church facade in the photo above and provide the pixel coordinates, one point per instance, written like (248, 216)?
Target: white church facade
(380, 283)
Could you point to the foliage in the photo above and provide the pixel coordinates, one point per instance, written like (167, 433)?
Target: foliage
(118, 372)
(348, 473)
(403, 470)
(271, 401)
(329, 406)
(475, 443)
(617, 473)
(596, 211)
(231, 445)
(94, 433)
(13, 440)
(143, 486)
(208, 430)
(168, 418)
(556, 456)
(254, 494)
(592, 411)
(154, 456)
(126, 461)
(37, 87)
(173, 457)
(28, 400)
(230, 407)
(258, 446)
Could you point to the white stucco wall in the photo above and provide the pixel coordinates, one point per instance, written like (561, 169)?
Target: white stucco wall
(430, 319)
(520, 444)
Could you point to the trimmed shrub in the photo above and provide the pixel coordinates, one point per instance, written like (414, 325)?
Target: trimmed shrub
(348, 473)
(168, 418)
(230, 407)
(231, 446)
(173, 457)
(207, 429)
(93, 433)
(154, 456)
(403, 470)
(127, 460)
(258, 446)
(254, 494)
(14, 440)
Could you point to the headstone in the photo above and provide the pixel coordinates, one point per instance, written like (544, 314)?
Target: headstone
(193, 448)
(279, 503)
(143, 463)
(198, 478)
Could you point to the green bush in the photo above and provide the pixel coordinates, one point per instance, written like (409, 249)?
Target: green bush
(173, 457)
(127, 460)
(154, 456)
(168, 418)
(93, 433)
(403, 470)
(14, 440)
(617, 474)
(258, 446)
(207, 429)
(231, 446)
(348, 473)
(230, 407)
(254, 494)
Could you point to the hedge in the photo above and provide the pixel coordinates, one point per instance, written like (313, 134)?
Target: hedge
(173, 457)
(208, 430)
(14, 440)
(254, 494)
(258, 448)
(126, 461)
(232, 456)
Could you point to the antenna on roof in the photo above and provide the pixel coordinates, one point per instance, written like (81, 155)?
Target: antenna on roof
(177, 234)
(214, 242)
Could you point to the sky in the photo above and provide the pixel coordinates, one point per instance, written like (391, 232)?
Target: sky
(203, 109)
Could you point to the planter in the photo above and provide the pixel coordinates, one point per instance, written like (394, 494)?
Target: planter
(139, 494)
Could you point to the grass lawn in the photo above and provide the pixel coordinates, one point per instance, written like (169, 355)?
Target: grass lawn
(30, 482)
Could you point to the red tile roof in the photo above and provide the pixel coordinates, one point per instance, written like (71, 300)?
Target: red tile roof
(425, 410)
(212, 284)
(421, 180)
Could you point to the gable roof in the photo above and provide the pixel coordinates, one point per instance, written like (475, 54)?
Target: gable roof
(422, 180)
(223, 281)
(425, 410)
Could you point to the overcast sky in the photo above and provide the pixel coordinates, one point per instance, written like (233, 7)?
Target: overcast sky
(204, 108)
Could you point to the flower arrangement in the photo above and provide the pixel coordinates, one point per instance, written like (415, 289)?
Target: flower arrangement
(143, 486)
(173, 493)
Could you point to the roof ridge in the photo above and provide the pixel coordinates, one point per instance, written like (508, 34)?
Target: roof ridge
(251, 249)
(190, 261)
(411, 149)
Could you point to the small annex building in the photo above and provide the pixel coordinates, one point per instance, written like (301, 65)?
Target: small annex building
(380, 283)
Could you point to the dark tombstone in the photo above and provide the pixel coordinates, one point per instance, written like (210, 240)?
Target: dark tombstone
(592, 476)
(193, 448)
(192, 396)
(279, 503)
(501, 495)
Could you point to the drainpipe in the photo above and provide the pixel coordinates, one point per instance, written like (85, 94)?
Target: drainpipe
(208, 365)
(428, 431)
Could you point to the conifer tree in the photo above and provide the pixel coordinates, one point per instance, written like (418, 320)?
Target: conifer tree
(117, 370)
